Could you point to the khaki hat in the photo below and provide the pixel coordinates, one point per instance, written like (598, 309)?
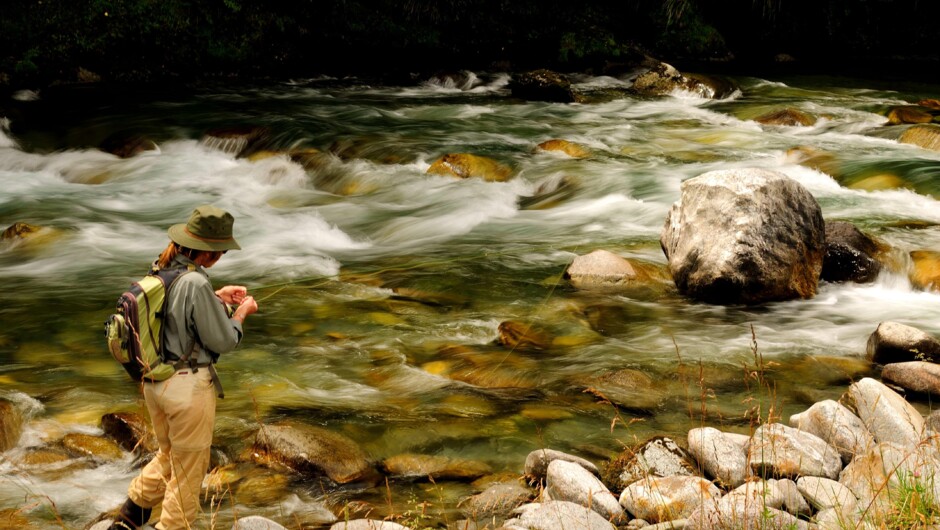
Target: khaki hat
(208, 228)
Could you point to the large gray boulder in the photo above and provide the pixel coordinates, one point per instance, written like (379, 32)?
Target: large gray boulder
(744, 236)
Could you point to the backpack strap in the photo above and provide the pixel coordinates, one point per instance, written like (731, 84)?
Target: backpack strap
(186, 360)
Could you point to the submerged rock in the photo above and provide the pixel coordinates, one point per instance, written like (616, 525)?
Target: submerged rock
(909, 114)
(787, 117)
(629, 389)
(602, 270)
(926, 136)
(11, 425)
(433, 468)
(744, 236)
(850, 254)
(465, 165)
(131, 431)
(663, 79)
(542, 85)
(313, 450)
(549, 193)
(925, 273)
(239, 141)
(518, 335)
(571, 149)
(496, 501)
(85, 445)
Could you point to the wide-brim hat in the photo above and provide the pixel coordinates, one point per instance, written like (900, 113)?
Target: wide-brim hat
(208, 228)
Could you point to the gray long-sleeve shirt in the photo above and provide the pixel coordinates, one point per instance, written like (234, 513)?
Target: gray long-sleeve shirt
(196, 318)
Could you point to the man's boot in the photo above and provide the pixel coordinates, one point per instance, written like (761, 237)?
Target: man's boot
(131, 517)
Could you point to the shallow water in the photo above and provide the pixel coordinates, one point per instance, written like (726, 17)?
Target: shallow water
(339, 253)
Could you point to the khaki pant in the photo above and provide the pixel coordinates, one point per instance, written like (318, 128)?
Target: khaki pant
(182, 410)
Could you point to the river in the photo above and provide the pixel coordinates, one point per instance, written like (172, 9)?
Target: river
(381, 287)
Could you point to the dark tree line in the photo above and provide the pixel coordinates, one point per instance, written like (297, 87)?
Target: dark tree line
(42, 41)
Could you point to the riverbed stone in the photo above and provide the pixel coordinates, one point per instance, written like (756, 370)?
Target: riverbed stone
(127, 145)
(850, 254)
(722, 455)
(780, 451)
(129, 430)
(780, 494)
(237, 140)
(517, 335)
(549, 193)
(536, 463)
(256, 522)
(498, 500)
(629, 389)
(736, 512)
(917, 376)
(571, 149)
(555, 515)
(312, 450)
(567, 481)
(11, 424)
(908, 114)
(467, 165)
(887, 415)
(872, 476)
(789, 117)
(262, 488)
(925, 272)
(922, 135)
(86, 445)
(434, 467)
(837, 425)
(893, 342)
(542, 85)
(663, 79)
(604, 271)
(659, 456)
(824, 493)
(659, 499)
(749, 235)
(368, 524)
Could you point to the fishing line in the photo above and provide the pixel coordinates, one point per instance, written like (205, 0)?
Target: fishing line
(375, 272)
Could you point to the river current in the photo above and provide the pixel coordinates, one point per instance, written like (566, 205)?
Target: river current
(381, 287)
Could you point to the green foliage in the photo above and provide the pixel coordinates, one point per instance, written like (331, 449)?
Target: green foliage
(44, 41)
(912, 502)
